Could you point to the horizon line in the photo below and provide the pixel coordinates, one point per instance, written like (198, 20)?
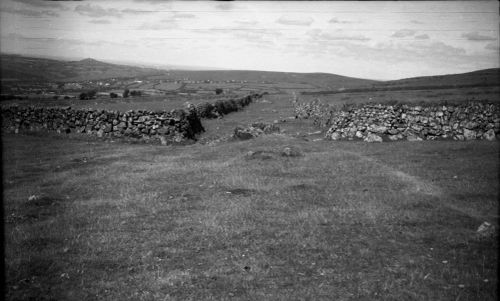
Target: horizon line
(160, 66)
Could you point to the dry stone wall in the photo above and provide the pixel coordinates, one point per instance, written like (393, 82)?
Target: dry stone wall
(148, 126)
(320, 112)
(376, 123)
(222, 107)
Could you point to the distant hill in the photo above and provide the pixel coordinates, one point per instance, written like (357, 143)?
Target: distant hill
(20, 68)
(486, 77)
(331, 81)
(480, 78)
(27, 69)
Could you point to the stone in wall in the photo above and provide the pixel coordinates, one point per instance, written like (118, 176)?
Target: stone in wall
(489, 135)
(372, 138)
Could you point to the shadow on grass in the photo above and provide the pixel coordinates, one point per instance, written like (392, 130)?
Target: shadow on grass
(41, 208)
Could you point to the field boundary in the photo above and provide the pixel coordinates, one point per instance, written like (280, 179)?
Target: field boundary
(371, 122)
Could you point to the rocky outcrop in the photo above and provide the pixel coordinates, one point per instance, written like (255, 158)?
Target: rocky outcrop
(254, 130)
(148, 126)
(415, 123)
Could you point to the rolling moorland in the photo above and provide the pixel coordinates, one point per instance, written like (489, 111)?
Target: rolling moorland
(20, 68)
(284, 216)
(481, 78)
(15, 67)
(18, 72)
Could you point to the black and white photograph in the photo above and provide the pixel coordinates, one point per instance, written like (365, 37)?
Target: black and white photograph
(250, 150)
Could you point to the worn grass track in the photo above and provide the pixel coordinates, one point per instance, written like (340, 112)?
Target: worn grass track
(343, 221)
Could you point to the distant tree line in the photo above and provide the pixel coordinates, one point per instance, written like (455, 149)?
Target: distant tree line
(222, 107)
(92, 94)
(88, 95)
(127, 93)
(12, 96)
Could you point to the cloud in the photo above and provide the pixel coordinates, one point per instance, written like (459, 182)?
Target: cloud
(422, 37)
(416, 22)
(224, 6)
(475, 36)
(436, 48)
(136, 11)
(161, 5)
(100, 21)
(287, 20)
(259, 33)
(318, 35)
(332, 37)
(337, 21)
(254, 38)
(492, 46)
(96, 11)
(246, 22)
(47, 4)
(184, 16)
(164, 24)
(409, 52)
(61, 42)
(169, 21)
(30, 12)
(389, 52)
(403, 33)
(20, 37)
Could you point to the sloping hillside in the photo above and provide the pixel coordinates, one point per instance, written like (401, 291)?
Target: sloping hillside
(326, 80)
(480, 78)
(20, 68)
(486, 77)
(27, 69)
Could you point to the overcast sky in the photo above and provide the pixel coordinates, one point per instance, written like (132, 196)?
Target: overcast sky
(376, 40)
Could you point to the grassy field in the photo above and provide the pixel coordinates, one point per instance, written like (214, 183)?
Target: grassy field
(242, 221)
(280, 102)
(430, 96)
(21, 68)
(167, 86)
(165, 102)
